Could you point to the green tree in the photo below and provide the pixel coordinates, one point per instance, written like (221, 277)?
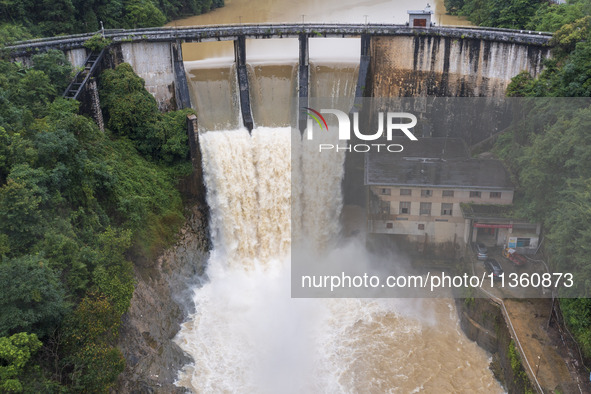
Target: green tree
(551, 17)
(15, 353)
(55, 65)
(20, 216)
(130, 109)
(35, 91)
(566, 38)
(91, 335)
(453, 7)
(10, 33)
(143, 13)
(32, 298)
(513, 14)
(54, 16)
(133, 112)
(577, 313)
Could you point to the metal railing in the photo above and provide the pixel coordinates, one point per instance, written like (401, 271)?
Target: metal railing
(280, 30)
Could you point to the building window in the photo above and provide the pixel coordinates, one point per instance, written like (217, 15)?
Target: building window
(426, 193)
(447, 193)
(385, 207)
(523, 242)
(404, 207)
(446, 209)
(405, 192)
(385, 191)
(425, 208)
(495, 194)
(389, 225)
(421, 226)
(474, 194)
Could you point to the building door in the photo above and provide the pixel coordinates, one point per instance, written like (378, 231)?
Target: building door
(487, 236)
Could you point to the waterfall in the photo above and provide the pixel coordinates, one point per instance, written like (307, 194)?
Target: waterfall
(266, 192)
(247, 335)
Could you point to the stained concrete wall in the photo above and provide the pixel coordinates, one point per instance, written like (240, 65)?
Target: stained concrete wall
(76, 57)
(421, 65)
(153, 61)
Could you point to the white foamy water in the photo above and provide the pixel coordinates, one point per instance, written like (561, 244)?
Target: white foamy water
(249, 336)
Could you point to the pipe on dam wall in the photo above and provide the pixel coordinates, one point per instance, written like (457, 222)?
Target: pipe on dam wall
(244, 93)
(364, 62)
(181, 86)
(304, 80)
(407, 66)
(193, 185)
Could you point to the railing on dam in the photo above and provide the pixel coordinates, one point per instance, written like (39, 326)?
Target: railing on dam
(231, 32)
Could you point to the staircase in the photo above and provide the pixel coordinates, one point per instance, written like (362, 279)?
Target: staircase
(76, 87)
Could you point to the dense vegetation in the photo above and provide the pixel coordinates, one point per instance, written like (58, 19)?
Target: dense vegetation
(76, 205)
(22, 18)
(548, 150)
(540, 15)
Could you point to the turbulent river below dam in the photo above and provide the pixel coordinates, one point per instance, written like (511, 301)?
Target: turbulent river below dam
(247, 334)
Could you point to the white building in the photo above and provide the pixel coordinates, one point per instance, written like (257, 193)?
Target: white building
(420, 18)
(419, 195)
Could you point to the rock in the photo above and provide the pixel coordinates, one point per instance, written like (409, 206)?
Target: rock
(161, 302)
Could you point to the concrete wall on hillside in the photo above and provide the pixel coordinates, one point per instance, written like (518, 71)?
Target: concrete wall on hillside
(153, 61)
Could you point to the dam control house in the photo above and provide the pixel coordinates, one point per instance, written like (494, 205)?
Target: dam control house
(420, 18)
(434, 195)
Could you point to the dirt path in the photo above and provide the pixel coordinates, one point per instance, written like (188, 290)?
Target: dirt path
(530, 320)
(551, 358)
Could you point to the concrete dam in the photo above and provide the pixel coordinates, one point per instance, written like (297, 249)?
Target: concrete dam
(395, 61)
(244, 321)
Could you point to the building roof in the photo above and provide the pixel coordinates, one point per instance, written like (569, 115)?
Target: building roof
(493, 213)
(435, 162)
(427, 10)
(485, 211)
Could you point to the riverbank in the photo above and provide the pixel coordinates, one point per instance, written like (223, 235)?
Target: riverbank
(523, 327)
(161, 302)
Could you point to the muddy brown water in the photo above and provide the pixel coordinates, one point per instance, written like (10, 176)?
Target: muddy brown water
(251, 337)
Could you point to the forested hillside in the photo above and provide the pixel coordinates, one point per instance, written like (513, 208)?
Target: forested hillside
(540, 15)
(549, 149)
(76, 204)
(26, 18)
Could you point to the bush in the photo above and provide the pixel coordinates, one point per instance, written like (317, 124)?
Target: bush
(133, 112)
(15, 353)
(97, 43)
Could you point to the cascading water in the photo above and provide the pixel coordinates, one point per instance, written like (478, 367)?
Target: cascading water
(213, 91)
(247, 335)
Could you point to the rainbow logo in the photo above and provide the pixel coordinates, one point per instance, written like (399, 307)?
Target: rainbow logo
(316, 115)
